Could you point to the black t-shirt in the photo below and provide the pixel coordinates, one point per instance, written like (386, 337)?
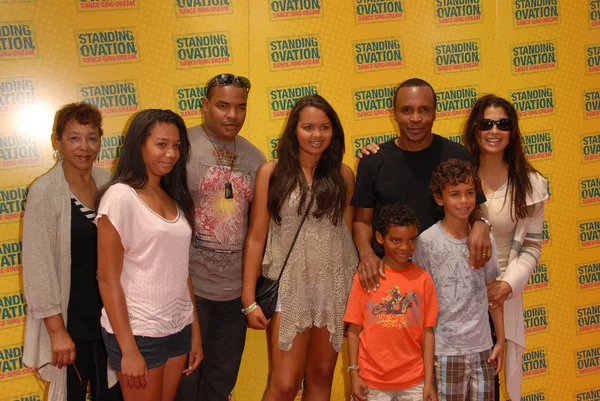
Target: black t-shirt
(394, 175)
(85, 303)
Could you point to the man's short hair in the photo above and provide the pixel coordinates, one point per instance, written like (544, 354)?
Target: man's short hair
(415, 82)
(396, 214)
(453, 172)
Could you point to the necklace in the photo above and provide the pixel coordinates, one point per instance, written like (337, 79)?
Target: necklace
(228, 186)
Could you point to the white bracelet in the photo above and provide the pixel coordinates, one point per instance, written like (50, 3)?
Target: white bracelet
(249, 309)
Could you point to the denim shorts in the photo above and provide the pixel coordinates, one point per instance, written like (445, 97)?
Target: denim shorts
(155, 350)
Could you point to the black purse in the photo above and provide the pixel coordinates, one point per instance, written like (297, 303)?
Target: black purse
(267, 290)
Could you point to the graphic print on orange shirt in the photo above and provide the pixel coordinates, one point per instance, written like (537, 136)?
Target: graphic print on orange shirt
(395, 309)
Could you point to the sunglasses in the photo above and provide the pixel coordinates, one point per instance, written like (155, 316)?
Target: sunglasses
(504, 124)
(229, 79)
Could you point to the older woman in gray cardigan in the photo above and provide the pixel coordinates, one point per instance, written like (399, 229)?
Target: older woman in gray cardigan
(62, 332)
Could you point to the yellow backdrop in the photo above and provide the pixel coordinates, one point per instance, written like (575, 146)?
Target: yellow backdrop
(125, 55)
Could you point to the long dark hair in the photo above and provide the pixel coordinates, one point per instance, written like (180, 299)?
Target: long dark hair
(328, 184)
(518, 166)
(131, 169)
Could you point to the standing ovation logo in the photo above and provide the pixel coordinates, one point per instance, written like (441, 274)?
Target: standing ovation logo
(188, 100)
(10, 257)
(17, 92)
(18, 151)
(589, 233)
(538, 145)
(11, 363)
(455, 102)
(199, 8)
(283, 98)
(17, 40)
(587, 318)
(12, 203)
(378, 11)
(590, 394)
(107, 5)
(360, 141)
(536, 395)
(454, 12)
(13, 310)
(531, 13)
(112, 98)
(107, 46)
(588, 275)
(281, 10)
(110, 151)
(539, 278)
(592, 59)
(546, 234)
(587, 360)
(594, 13)
(207, 49)
(293, 52)
(456, 137)
(272, 143)
(535, 362)
(536, 319)
(590, 147)
(533, 102)
(591, 103)
(373, 102)
(534, 57)
(457, 56)
(378, 54)
(589, 191)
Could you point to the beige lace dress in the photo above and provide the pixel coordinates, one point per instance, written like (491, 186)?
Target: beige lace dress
(316, 282)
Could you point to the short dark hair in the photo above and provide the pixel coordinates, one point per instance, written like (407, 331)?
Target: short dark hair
(83, 113)
(236, 81)
(415, 82)
(396, 214)
(453, 172)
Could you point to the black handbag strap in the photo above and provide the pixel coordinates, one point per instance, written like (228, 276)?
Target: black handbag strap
(295, 237)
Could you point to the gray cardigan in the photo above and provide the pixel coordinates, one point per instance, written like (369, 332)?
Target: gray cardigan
(47, 269)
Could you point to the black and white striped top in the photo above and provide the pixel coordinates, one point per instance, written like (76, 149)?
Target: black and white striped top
(89, 213)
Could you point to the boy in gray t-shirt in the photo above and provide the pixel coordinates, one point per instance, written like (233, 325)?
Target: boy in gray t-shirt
(467, 360)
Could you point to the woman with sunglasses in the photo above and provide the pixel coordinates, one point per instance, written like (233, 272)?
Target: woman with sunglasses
(515, 193)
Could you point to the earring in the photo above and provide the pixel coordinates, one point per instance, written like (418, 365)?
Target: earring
(56, 156)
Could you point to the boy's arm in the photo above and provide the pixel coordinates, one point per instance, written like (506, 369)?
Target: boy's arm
(497, 315)
(428, 347)
(359, 388)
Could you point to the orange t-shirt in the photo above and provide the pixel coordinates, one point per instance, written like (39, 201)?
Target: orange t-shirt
(393, 320)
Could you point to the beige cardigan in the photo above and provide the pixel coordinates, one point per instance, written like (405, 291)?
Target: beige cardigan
(47, 269)
(522, 260)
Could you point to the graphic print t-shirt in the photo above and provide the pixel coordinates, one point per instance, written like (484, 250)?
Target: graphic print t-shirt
(393, 318)
(463, 324)
(221, 224)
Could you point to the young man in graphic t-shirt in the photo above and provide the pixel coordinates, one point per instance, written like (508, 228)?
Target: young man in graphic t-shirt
(221, 173)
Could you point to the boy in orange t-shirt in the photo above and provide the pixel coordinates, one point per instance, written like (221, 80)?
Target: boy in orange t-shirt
(390, 331)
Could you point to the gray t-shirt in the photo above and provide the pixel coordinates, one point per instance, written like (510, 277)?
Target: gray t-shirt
(463, 325)
(221, 224)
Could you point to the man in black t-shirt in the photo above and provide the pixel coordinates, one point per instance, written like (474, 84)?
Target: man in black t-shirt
(400, 172)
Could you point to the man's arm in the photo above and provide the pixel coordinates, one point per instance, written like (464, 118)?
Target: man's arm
(370, 266)
(479, 243)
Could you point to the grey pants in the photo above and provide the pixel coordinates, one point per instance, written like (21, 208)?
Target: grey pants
(223, 328)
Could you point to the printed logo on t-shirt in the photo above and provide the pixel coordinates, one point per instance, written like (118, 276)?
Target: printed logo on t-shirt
(395, 309)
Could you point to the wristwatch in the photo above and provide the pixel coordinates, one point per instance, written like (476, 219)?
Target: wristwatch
(486, 221)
